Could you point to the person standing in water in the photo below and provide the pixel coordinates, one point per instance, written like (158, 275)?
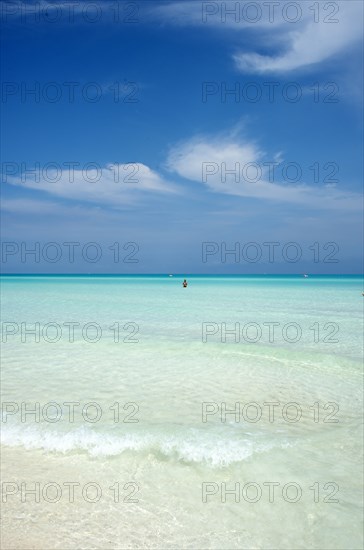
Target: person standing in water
(184, 284)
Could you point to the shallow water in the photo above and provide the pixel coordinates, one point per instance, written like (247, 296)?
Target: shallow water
(151, 410)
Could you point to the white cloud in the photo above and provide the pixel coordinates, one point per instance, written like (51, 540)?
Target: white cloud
(114, 184)
(207, 161)
(311, 43)
(225, 164)
(187, 158)
(301, 44)
(311, 39)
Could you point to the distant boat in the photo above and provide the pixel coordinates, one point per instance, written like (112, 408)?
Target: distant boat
(305, 275)
(171, 275)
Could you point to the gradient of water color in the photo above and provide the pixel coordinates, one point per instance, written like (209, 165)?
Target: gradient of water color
(164, 377)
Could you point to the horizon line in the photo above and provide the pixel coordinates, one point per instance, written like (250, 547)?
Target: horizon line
(180, 274)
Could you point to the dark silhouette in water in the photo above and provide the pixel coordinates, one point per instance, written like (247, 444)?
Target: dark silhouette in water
(184, 284)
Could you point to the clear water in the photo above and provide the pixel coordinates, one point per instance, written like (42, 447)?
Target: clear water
(160, 377)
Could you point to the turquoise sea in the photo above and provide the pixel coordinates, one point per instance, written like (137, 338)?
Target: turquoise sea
(225, 415)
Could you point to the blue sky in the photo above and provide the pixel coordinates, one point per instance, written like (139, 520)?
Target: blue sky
(138, 153)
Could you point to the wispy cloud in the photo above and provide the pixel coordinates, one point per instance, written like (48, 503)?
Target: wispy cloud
(219, 163)
(303, 36)
(310, 37)
(311, 43)
(113, 185)
(224, 163)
